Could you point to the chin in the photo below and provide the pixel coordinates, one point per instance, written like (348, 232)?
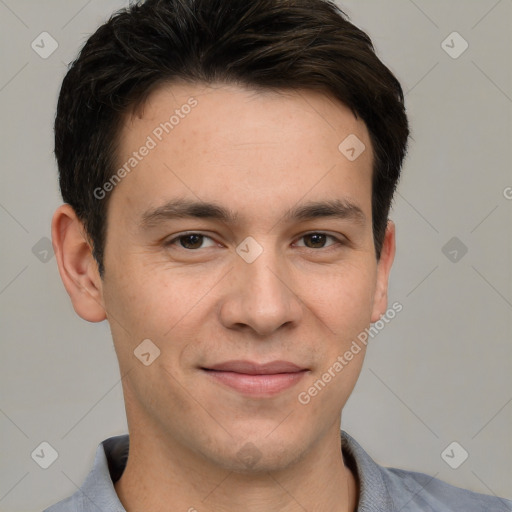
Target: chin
(260, 455)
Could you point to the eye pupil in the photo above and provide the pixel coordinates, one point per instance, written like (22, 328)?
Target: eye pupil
(317, 240)
(195, 241)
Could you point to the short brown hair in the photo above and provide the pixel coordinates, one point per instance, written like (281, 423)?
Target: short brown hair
(271, 44)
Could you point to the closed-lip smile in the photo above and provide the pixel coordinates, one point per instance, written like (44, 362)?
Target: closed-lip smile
(256, 379)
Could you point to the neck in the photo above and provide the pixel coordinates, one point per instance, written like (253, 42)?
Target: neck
(161, 475)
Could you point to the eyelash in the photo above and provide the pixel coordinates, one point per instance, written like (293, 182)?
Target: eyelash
(337, 241)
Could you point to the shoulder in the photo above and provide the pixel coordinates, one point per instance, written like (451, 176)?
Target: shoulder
(396, 490)
(67, 505)
(84, 501)
(98, 492)
(411, 491)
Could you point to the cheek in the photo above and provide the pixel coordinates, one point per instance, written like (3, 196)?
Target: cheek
(159, 304)
(343, 299)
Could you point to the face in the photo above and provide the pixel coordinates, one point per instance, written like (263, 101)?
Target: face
(242, 237)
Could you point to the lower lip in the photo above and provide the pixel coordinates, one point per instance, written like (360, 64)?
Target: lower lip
(257, 385)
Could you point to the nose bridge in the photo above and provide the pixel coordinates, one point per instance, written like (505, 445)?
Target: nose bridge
(263, 297)
(263, 283)
(266, 282)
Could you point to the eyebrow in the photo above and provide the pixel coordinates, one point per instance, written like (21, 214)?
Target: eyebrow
(184, 208)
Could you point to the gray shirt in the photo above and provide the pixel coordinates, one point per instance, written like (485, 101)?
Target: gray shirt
(381, 489)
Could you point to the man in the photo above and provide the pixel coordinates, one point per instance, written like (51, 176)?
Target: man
(228, 169)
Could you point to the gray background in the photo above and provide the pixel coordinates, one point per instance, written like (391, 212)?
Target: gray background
(439, 372)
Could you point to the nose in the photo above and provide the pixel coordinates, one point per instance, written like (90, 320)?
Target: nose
(261, 296)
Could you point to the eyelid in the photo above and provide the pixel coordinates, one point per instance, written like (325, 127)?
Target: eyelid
(176, 238)
(338, 239)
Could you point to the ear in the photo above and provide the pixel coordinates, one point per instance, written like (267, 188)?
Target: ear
(387, 255)
(77, 267)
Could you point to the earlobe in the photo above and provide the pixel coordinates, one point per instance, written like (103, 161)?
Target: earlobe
(387, 255)
(77, 267)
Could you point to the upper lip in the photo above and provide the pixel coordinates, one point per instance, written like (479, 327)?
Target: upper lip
(251, 368)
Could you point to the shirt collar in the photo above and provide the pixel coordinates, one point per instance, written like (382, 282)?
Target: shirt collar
(373, 493)
(112, 454)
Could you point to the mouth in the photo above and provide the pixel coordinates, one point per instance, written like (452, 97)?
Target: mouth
(254, 379)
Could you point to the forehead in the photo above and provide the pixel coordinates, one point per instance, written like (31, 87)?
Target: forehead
(240, 145)
(223, 108)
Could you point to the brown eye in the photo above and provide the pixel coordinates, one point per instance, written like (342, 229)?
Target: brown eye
(315, 240)
(320, 240)
(191, 241)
